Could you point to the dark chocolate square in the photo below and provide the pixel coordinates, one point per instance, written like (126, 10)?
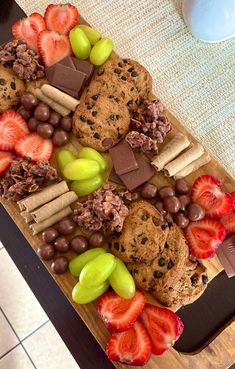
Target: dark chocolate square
(123, 158)
(137, 177)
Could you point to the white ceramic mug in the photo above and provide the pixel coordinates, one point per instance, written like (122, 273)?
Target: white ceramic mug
(210, 20)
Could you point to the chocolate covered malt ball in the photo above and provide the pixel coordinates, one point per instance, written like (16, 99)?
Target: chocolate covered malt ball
(66, 124)
(45, 130)
(149, 191)
(195, 212)
(66, 226)
(62, 244)
(54, 119)
(184, 201)
(160, 207)
(26, 114)
(79, 244)
(46, 252)
(171, 204)
(29, 101)
(33, 124)
(60, 138)
(59, 265)
(181, 220)
(49, 235)
(97, 239)
(166, 191)
(42, 112)
(182, 186)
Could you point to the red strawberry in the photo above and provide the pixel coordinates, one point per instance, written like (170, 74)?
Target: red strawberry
(233, 195)
(28, 29)
(34, 147)
(163, 326)
(12, 128)
(119, 314)
(61, 18)
(132, 347)
(53, 47)
(207, 192)
(204, 237)
(229, 222)
(5, 160)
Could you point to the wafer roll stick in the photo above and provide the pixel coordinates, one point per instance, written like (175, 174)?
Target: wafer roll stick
(196, 164)
(39, 227)
(183, 160)
(27, 216)
(170, 151)
(60, 97)
(52, 207)
(40, 198)
(54, 105)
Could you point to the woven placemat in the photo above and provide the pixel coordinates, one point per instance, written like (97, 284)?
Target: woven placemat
(194, 80)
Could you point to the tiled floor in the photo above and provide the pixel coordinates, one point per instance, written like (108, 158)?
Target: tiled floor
(27, 338)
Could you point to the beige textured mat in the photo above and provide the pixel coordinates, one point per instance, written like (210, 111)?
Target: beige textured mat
(196, 81)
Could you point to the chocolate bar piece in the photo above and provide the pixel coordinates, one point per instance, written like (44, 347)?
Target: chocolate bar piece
(68, 78)
(123, 158)
(226, 255)
(68, 62)
(137, 177)
(115, 178)
(83, 66)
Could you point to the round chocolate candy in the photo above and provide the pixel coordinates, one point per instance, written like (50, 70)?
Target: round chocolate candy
(66, 226)
(29, 101)
(62, 244)
(60, 137)
(171, 204)
(42, 112)
(79, 244)
(182, 187)
(45, 130)
(166, 191)
(54, 119)
(184, 201)
(46, 252)
(149, 191)
(159, 206)
(50, 234)
(97, 239)
(195, 212)
(26, 114)
(181, 220)
(59, 265)
(66, 124)
(32, 124)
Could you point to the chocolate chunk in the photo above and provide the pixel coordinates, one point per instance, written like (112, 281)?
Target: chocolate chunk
(68, 62)
(157, 274)
(161, 262)
(100, 71)
(115, 178)
(90, 122)
(134, 74)
(107, 142)
(144, 240)
(117, 71)
(139, 176)
(194, 279)
(94, 113)
(82, 118)
(13, 85)
(226, 255)
(116, 246)
(170, 264)
(2, 81)
(157, 221)
(96, 135)
(164, 226)
(85, 67)
(144, 280)
(205, 279)
(94, 97)
(123, 78)
(145, 217)
(123, 158)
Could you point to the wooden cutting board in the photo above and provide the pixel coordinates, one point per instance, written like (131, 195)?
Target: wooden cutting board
(220, 352)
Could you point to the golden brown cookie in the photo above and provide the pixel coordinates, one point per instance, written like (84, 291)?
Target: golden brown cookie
(143, 236)
(11, 88)
(100, 123)
(167, 268)
(188, 289)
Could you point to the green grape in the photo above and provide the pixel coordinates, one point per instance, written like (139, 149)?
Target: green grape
(92, 34)
(80, 169)
(77, 264)
(89, 153)
(80, 43)
(101, 51)
(64, 157)
(83, 295)
(87, 186)
(97, 270)
(121, 281)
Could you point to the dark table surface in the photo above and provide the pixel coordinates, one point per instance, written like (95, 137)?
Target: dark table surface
(69, 325)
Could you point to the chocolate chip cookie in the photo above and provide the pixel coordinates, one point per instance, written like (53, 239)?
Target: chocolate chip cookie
(11, 87)
(143, 236)
(189, 287)
(168, 266)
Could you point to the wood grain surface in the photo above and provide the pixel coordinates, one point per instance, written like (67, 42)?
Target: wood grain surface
(218, 354)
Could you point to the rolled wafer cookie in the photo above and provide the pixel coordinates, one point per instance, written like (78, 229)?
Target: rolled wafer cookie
(27, 216)
(196, 164)
(39, 227)
(52, 207)
(183, 160)
(60, 97)
(40, 198)
(170, 151)
(54, 105)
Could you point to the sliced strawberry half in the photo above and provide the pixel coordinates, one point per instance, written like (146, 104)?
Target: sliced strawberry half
(120, 314)
(61, 18)
(229, 222)
(12, 128)
(6, 159)
(204, 237)
(37, 22)
(207, 192)
(163, 326)
(132, 347)
(34, 147)
(233, 195)
(53, 47)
